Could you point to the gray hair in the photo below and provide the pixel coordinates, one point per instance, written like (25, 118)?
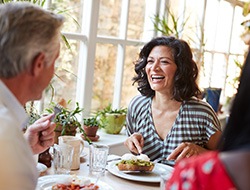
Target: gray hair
(25, 31)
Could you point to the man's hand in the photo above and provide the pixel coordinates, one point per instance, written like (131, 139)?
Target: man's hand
(135, 143)
(40, 135)
(185, 150)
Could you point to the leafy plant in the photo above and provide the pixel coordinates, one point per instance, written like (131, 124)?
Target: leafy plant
(112, 120)
(235, 81)
(91, 121)
(66, 118)
(109, 110)
(169, 25)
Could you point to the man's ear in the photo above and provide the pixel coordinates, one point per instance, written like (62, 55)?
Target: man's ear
(38, 64)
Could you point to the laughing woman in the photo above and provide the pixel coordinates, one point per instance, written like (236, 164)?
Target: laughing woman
(168, 121)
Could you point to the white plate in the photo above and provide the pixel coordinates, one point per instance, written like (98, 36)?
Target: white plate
(41, 167)
(152, 177)
(46, 182)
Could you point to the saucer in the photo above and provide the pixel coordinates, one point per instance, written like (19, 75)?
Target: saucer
(95, 138)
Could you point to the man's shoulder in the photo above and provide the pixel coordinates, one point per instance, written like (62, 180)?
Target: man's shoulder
(8, 124)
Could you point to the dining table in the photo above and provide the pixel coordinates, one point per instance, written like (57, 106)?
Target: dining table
(116, 182)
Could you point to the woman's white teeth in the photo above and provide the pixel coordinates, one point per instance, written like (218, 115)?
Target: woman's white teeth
(157, 77)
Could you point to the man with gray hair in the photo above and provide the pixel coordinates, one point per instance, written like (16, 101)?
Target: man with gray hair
(29, 46)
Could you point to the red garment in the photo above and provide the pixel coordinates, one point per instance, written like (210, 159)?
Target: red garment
(204, 172)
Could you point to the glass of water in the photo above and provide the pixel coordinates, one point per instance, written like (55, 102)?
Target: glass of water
(98, 154)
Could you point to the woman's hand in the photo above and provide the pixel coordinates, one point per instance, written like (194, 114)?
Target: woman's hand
(135, 143)
(185, 150)
(40, 135)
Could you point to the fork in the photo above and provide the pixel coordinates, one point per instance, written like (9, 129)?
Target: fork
(57, 109)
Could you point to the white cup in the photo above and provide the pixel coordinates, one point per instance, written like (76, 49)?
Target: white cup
(62, 158)
(98, 155)
(78, 145)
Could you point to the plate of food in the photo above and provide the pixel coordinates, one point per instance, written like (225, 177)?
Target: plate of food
(70, 182)
(138, 168)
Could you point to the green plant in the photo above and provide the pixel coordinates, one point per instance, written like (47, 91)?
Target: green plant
(112, 120)
(235, 80)
(90, 126)
(109, 110)
(66, 118)
(169, 24)
(246, 23)
(32, 113)
(91, 121)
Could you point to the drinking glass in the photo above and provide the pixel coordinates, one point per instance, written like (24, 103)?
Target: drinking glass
(98, 154)
(62, 158)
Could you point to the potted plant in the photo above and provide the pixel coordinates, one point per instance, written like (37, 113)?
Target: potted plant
(66, 121)
(112, 120)
(90, 126)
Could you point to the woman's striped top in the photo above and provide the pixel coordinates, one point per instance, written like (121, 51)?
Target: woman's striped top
(195, 122)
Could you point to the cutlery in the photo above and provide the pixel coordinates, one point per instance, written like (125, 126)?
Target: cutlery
(165, 161)
(135, 172)
(168, 162)
(57, 109)
(114, 159)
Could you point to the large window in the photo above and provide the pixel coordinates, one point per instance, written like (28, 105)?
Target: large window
(106, 36)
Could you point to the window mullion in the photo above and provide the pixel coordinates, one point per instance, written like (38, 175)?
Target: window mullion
(87, 55)
(120, 55)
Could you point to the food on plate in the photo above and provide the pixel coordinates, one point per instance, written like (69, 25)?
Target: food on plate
(130, 162)
(73, 182)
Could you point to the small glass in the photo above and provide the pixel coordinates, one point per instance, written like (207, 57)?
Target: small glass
(98, 155)
(62, 158)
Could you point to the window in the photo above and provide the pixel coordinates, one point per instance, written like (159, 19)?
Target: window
(108, 35)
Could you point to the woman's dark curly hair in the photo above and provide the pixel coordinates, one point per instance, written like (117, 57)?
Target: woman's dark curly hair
(185, 85)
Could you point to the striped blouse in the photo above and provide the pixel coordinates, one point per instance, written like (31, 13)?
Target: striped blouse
(195, 122)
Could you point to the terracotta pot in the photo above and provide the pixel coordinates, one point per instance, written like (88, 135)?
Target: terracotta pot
(90, 131)
(69, 131)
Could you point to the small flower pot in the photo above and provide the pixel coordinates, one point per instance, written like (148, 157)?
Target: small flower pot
(90, 131)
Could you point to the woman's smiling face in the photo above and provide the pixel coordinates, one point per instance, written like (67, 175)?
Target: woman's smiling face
(160, 69)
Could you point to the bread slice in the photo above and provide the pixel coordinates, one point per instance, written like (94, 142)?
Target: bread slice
(133, 167)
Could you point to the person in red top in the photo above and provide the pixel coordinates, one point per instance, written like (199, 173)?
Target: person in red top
(228, 168)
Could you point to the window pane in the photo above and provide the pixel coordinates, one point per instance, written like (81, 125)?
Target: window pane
(72, 11)
(233, 74)
(212, 9)
(205, 70)
(237, 44)
(136, 19)
(104, 74)
(64, 82)
(109, 18)
(224, 25)
(218, 71)
(129, 90)
(193, 17)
